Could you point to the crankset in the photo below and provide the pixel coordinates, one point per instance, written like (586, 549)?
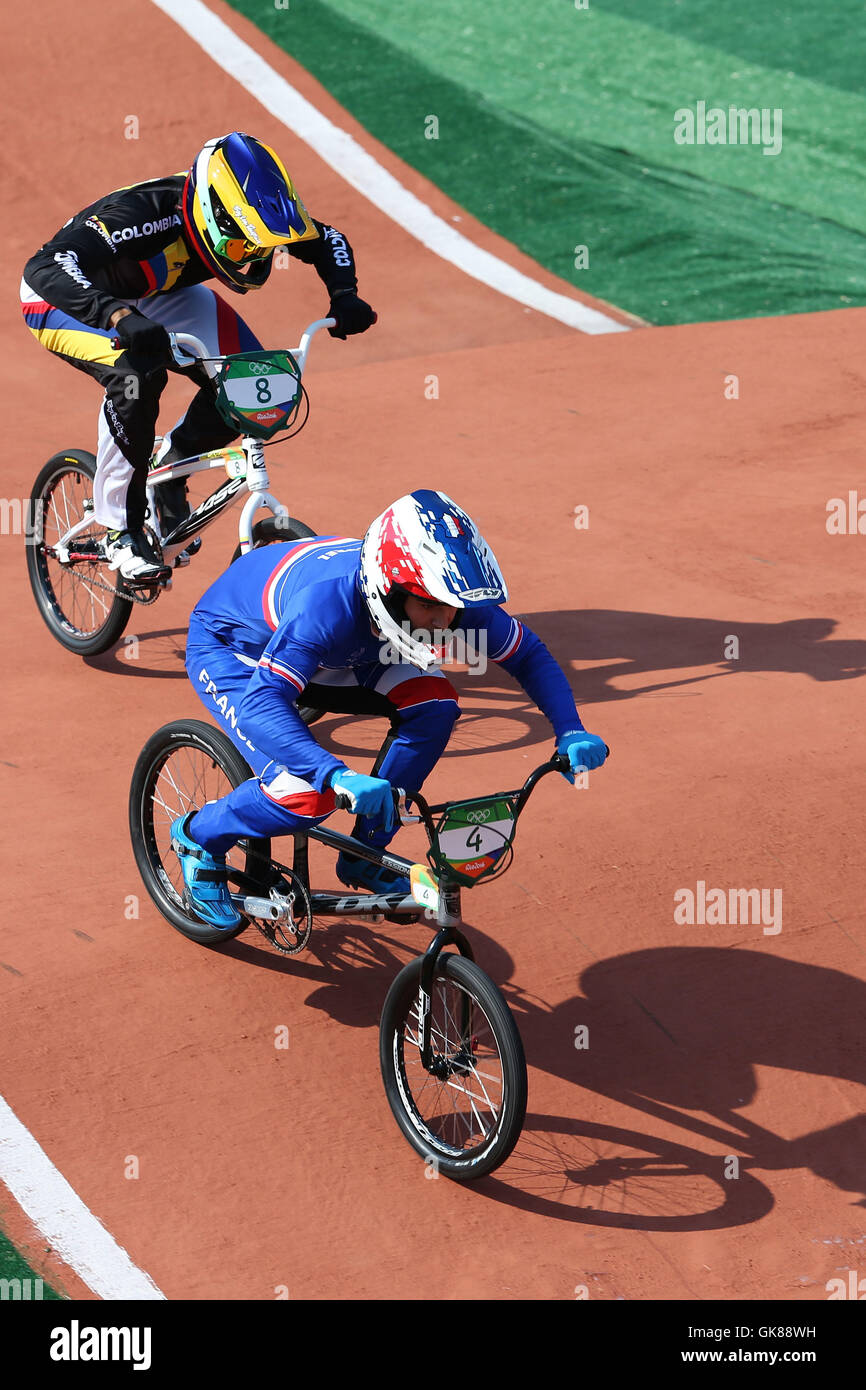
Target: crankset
(90, 552)
(289, 932)
(144, 593)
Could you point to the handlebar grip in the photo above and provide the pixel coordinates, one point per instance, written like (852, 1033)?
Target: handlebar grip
(344, 802)
(560, 761)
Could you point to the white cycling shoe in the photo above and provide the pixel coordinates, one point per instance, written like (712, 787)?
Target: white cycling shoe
(131, 553)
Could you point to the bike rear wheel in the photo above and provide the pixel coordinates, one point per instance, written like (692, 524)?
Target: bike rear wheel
(183, 765)
(467, 1119)
(82, 604)
(268, 531)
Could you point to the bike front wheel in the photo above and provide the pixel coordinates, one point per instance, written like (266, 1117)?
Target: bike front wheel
(276, 528)
(465, 1114)
(82, 602)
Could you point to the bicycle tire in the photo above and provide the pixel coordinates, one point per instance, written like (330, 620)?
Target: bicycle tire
(268, 532)
(75, 462)
(272, 529)
(255, 853)
(396, 1015)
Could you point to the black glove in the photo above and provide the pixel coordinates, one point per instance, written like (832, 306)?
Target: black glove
(147, 342)
(353, 315)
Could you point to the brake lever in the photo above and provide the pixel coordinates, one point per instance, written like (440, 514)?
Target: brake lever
(402, 802)
(181, 357)
(343, 802)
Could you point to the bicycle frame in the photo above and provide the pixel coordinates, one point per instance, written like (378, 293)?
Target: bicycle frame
(448, 911)
(244, 463)
(448, 914)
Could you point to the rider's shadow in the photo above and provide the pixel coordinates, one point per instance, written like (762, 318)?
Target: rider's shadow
(596, 648)
(678, 1034)
(599, 647)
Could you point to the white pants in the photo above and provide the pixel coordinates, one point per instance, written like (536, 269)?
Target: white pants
(191, 310)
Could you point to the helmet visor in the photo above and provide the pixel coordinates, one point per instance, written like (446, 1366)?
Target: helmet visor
(231, 243)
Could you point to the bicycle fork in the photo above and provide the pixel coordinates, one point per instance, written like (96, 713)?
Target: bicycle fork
(449, 920)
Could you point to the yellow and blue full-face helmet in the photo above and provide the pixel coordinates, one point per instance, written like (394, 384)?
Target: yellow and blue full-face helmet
(239, 204)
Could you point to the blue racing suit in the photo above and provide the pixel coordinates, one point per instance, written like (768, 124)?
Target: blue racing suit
(289, 620)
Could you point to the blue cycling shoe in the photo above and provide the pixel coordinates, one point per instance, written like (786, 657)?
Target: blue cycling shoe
(205, 878)
(360, 873)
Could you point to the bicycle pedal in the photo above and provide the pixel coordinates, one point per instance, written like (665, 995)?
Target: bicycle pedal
(161, 580)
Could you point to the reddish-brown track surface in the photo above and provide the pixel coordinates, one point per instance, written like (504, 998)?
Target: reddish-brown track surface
(262, 1167)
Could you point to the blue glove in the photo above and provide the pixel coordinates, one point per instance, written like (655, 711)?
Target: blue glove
(370, 796)
(582, 750)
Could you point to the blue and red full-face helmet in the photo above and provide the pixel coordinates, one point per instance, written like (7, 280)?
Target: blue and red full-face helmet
(424, 544)
(239, 204)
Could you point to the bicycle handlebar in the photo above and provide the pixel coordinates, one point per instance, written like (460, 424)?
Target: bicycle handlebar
(300, 355)
(558, 762)
(186, 348)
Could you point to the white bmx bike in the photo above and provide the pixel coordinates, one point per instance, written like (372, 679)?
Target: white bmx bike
(84, 603)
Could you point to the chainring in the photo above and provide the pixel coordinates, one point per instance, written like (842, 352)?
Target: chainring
(146, 594)
(289, 892)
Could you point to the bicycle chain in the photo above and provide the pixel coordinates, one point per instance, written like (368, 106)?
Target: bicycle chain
(130, 594)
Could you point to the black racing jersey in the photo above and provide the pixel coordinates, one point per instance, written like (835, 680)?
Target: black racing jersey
(131, 244)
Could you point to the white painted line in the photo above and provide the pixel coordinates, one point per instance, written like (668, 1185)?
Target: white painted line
(352, 162)
(68, 1226)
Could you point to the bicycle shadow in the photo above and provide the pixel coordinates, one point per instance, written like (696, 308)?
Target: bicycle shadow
(352, 965)
(677, 1033)
(491, 721)
(157, 655)
(673, 1033)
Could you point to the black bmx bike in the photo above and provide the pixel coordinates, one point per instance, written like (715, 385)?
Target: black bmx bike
(451, 1056)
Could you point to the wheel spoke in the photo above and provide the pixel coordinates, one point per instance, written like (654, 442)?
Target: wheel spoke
(459, 1111)
(186, 779)
(74, 592)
